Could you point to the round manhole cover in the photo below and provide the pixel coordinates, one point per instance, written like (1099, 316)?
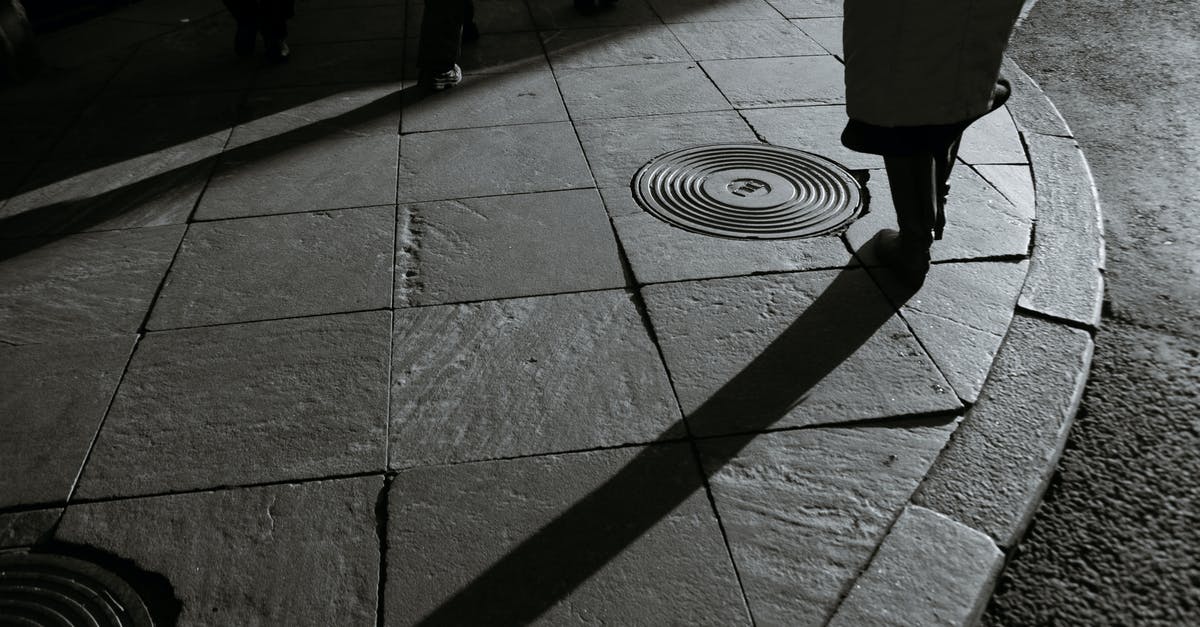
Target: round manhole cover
(45, 589)
(749, 191)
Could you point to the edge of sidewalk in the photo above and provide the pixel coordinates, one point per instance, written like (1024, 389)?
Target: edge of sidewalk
(941, 559)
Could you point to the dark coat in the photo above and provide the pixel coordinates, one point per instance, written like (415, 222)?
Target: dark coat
(924, 62)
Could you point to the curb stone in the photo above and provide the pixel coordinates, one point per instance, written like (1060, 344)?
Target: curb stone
(990, 477)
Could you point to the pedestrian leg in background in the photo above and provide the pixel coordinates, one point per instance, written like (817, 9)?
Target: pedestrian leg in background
(441, 43)
(265, 17)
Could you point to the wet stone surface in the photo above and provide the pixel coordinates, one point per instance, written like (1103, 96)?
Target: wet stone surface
(90, 285)
(525, 376)
(304, 554)
(54, 400)
(243, 270)
(504, 247)
(753, 353)
(796, 538)
(268, 401)
(623, 536)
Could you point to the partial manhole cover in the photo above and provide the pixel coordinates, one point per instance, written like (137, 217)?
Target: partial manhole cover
(45, 589)
(749, 191)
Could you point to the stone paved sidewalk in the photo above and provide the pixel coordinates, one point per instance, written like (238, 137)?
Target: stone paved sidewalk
(302, 344)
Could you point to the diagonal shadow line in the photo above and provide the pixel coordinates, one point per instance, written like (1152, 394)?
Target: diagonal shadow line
(547, 566)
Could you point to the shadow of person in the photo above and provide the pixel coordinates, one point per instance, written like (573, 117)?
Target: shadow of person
(547, 566)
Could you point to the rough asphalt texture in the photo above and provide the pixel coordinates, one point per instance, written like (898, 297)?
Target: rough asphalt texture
(1117, 540)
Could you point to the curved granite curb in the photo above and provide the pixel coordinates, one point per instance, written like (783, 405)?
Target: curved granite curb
(940, 560)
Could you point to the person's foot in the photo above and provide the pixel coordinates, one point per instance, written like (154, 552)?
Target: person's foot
(243, 39)
(277, 50)
(445, 79)
(908, 259)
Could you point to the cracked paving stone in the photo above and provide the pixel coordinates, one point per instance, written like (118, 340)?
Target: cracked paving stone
(21, 529)
(54, 400)
(248, 403)
(300, 554)
(504, 247)
(524, 377)
(246, 269)
(786, 350)
(826, 31)
(1014, 181)
(88, 285)
(992, 139)
(805, 510)
(623, 536)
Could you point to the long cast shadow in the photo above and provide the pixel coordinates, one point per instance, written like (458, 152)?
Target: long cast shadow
(545, 567)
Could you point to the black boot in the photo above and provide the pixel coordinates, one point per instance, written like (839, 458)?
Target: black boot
(915, 196)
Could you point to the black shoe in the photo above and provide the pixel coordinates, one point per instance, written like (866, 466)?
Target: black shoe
(277, 50)
(243, 39)
(907, 258)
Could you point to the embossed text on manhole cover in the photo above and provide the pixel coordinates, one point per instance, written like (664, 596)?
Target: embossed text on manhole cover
(46, 589)
(749, 191)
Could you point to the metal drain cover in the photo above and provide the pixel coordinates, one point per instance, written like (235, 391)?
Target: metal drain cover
(45, 589)
(749, 191)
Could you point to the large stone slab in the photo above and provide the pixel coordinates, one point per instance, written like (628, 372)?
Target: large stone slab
(804, 510)
(41, 126)
(712, 10)
(20, 529)
(243, 404)
(780, 81)
(192, 58)
(660, 252)
(930, 570)
(598, 47)
(311, 170)
(90, 285)
(617, 148)
(813, 129)
(754, 353)
(154, 189)
(621, 536)
(638, 90)
(980, 222)
(524, 377)
(1065, 279)
(826, 31)
(993, 472)
(1031, 109)
(961, 315)
(491, 161)
(1014, 181)
(992, 139)
(54, 400)
(243, 270)
(745, 40)
(505, 246)
(304, 554)
(521, 98)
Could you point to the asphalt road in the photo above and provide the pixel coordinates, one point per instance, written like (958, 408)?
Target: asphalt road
(1117, 539)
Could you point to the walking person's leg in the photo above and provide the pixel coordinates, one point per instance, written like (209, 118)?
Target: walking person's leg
(245, 12)
(273, 16)
(440, 43)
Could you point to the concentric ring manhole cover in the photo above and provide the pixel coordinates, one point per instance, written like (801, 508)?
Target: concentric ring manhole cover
(46, 589)
(749, 191)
